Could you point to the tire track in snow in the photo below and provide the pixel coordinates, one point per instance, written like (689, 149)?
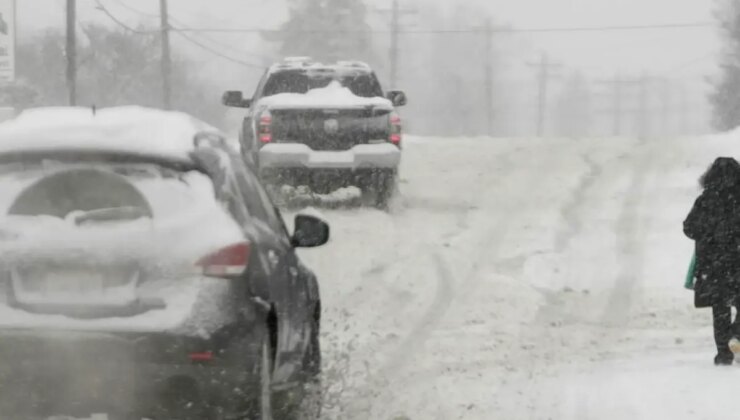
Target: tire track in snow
(408, 348)
(619, 303)
(441, 303)
(400, 354)
(630, 245)
(573, 223)
(363, 397)
(553, 306)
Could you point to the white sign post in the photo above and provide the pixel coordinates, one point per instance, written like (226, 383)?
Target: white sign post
(7, 41)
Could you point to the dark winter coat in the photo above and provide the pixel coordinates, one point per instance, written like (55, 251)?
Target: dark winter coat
(714, 223)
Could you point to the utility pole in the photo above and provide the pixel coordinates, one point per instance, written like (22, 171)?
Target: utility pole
(618, 85)
(71, 52)
(545, 70)
(166, 56)
(684, 111)
(642, 113)
(665, 101)
(489, 76)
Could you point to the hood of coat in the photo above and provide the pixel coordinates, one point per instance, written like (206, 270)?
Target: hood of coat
(724, 173)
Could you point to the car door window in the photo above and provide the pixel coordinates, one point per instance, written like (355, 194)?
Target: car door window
(225, 182)
(257, 200)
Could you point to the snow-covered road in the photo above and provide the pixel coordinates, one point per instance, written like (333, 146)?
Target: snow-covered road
(524, 279)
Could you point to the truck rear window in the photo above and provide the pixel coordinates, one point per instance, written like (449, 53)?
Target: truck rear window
(361, 84)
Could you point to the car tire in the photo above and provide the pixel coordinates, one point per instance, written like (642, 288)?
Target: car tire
(261, 407)
(305, 401)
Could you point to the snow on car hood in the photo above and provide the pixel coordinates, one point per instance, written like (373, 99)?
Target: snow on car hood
(332, 96)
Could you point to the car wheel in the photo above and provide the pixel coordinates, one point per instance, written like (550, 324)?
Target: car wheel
(266, 382)
(262, 405)
(305, 401)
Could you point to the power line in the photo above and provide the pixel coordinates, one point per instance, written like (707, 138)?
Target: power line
(217, 53)
(181, 23)
(213, 51)
(668, 26)
(687, 64)
(120, 23)
(137, 11)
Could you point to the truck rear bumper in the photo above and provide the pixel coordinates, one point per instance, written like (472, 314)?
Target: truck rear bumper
(363, 156)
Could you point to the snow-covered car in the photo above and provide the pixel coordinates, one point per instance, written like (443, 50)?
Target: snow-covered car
(144, 272)
(325, 126)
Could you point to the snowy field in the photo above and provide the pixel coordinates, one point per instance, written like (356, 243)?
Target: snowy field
(524, 279)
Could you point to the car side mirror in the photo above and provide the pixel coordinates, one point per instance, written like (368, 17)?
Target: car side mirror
(310, 232)
(235, 99)
(397, 97)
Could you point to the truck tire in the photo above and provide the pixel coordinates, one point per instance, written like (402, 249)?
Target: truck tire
(382, 188)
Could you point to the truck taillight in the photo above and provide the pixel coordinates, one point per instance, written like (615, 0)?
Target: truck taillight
(229, 261)
(395, 136)
(264, 127)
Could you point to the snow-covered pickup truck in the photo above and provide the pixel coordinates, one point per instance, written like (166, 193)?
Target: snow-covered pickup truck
(323, 126)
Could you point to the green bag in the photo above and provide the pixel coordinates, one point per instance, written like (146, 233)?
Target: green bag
(689, 283)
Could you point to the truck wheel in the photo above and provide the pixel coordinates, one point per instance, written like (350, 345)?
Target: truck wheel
(382, 188)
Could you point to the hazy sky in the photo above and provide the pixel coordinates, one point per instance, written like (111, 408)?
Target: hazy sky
(687, 55)
(633, 51)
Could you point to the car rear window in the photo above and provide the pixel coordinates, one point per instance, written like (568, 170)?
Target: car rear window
(362, 84)
(63, 190)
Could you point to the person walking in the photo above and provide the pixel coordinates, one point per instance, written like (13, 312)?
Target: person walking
(714, 225)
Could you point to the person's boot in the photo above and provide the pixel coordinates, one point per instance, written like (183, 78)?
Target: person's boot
(724, 358)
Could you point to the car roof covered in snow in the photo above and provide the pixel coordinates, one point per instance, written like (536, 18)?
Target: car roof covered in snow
(121, 130)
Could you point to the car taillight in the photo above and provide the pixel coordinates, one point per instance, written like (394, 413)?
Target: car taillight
(201, 357)
(264, 128)
(396, 128)
(229, 261)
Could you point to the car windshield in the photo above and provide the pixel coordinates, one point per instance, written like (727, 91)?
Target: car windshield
(362, 84)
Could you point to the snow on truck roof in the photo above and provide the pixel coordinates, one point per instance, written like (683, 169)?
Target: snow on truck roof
(128, 130)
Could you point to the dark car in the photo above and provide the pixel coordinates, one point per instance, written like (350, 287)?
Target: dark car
(324, 126)
(144, 272)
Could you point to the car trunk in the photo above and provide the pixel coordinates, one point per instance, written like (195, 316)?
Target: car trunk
(330, 129)
(93, 243)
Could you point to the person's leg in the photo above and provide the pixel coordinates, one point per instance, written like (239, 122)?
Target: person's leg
(722, 315)
(735, 328)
